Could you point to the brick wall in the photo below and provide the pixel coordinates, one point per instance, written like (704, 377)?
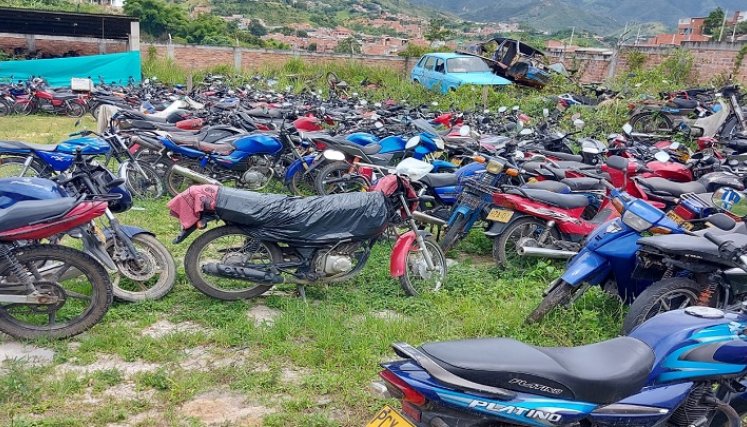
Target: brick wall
(58, 46)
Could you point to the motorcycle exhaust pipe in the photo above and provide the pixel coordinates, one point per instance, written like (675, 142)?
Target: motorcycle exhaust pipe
(545, 253)
(194, 176)
(428, 219)
(241, 273)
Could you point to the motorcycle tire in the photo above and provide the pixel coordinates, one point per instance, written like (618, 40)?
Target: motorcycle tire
(731, 127)
(336, 170)
(559, 295)
(439, 260)
(5, 108)
(502, 249)
(454, 233)
(94, 274)
(301, 184)
(194, 271)
(136, 291)
(647, 304)
(75, 110)
(24, 109)
(149, 186)
(652, 122)
(176, 183)
(13, 165)
(159, 163)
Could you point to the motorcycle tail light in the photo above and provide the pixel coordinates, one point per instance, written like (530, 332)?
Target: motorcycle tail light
(411, 411)
(684, 213)
(367, 172)
(660, 230)
(403, 390)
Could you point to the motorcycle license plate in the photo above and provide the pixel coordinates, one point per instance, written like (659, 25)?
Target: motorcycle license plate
(500, 215)
(679, 220)
(389, 417)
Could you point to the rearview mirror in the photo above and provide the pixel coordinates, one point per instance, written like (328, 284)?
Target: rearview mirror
(502, 110)
(545, 112)
(627, 128)
(516, 108)
(662, 156)
(464, 131)
(730, 200)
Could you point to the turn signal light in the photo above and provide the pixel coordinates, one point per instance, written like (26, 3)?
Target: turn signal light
(479, 159)
(512, 172)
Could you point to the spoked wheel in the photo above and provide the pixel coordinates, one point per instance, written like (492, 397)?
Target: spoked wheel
(454, 233)
(23, 109)
(524, 231)
(79, 284)
(335, 179)
(665, 295)
(652, 122)
(75, 110)
(214, 259)
(301, 184)
(14, 166)
(159, 163)
(418, 279)
(144, 183)
(150, 279)
(176, 183)
(6, 108)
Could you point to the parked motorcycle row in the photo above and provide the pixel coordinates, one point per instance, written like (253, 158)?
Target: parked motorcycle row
(657, 222)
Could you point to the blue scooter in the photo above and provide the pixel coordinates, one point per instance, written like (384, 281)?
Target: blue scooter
(682, 368)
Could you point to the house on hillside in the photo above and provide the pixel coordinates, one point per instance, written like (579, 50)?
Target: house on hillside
(688, 30)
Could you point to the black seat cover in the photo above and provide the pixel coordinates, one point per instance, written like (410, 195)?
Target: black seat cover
(554, 186)
(583, 184)
(23, 213)
(563, 156)
(682, 244)
(567, 201)
(600, 373)
(304, 220)
(18, 145)
(685, 103)
(440, 179)
(676, 189)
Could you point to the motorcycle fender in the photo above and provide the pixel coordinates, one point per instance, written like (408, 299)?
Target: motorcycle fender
(398, 261)
(587, 266)
(495, 229)
(129, 230)
(92, 246)
(297, 167)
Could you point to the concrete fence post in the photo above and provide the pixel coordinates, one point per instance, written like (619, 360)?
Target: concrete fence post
(134, 39)
(170, 50)
(237, 59)
(30, 42)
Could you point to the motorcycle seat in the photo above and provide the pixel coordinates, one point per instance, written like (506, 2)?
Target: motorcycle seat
(663, 186)
(25, 212)
(225, 146)
(684, 103)
(563, 156)
(566, 201)
(600, 373)
(700, 247)
(440, 179)
(554, 186)
(18, 145)
(583, 184)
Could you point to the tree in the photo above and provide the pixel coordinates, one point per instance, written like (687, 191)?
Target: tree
(256, 28)
(312, 47)
(302, 33)
(742, 28)
(713, 22)
(436, 30)
(157, 17)
(350, 46)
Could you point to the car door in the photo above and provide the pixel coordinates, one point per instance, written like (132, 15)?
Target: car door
(439, 76)
(428, 71)
(418, 70)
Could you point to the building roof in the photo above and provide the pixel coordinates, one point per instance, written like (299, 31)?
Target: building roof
(67, 24)
(447, 55)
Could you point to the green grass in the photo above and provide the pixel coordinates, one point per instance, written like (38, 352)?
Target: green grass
(334, 342)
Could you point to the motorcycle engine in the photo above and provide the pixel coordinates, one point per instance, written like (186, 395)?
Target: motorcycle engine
(336, 264)
(258, 175)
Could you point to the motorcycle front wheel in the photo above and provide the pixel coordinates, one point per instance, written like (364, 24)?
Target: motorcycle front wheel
(229, 249)
(418, 279)
(146, 185)
(561, 294)
(151, 280)
(454, 233)
(79, 282)
(665, 295)
(176, 183)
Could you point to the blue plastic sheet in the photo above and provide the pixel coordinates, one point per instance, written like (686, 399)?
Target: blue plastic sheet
(114, 67)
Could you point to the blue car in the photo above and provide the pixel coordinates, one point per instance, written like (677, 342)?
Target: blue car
(447, 71)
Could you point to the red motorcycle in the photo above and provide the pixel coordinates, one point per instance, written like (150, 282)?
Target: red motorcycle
(541, 223)
(69, 104)
(49, 291)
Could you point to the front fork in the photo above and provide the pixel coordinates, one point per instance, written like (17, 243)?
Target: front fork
(418, 236)
(121, 238)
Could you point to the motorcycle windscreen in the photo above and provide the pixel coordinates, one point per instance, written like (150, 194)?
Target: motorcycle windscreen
(309, 220)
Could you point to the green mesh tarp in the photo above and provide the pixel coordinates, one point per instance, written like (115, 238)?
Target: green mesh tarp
(114, 67)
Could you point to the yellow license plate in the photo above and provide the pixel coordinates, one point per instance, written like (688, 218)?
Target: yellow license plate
(679, 220)
(389, 417)
(500, 215)
(456, 162)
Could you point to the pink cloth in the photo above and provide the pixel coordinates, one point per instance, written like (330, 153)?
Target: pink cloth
(189, 204)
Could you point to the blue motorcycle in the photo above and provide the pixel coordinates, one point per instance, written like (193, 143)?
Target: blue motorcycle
(681, 368)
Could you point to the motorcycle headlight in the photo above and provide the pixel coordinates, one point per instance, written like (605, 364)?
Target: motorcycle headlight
(494, 166)
(635, 222)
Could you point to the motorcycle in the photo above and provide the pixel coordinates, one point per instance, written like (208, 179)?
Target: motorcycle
(46, 290)
(269, 239)
(682, 368)
(694, 269)
(38, 100)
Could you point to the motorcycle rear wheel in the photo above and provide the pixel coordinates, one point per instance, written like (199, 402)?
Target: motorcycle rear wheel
(149, 186)
(505, 246)
(660, 297)
(75, 110)
(89, 292)
(13, 165)
(219, 245)
(176, 183)
(336, 171)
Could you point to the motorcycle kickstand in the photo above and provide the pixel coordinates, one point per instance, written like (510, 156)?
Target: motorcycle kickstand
(301, 292)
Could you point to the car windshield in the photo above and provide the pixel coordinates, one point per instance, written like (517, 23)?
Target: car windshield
(466, 65)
